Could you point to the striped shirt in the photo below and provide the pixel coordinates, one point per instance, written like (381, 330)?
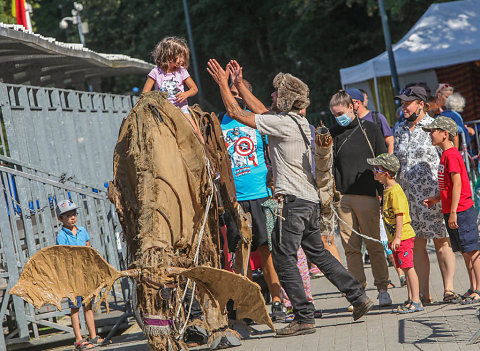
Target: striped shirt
(291, 159)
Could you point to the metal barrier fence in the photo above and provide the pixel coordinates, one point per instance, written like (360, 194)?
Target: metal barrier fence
(55, 144)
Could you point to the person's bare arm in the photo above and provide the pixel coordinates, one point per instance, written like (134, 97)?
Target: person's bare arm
(389, 141)
(148, 85)
(456, 190)
(233, 109)
(192, 90)
(251, 101)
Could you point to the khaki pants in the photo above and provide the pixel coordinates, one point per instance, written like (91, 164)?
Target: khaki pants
(362, 213)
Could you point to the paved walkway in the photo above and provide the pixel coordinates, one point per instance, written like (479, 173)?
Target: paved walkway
(439, 327)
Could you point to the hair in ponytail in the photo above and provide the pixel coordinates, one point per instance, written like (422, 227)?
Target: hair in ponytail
(341, 98)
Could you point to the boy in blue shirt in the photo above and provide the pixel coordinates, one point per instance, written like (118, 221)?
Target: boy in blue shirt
(70, 234)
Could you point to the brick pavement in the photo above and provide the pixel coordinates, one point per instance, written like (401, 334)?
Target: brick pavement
(439, 327)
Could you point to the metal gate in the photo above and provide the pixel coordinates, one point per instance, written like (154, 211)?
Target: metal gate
(55, 144)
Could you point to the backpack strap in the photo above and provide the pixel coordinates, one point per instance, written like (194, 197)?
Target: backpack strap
(377, 121)
(266, 151)
(305, 139)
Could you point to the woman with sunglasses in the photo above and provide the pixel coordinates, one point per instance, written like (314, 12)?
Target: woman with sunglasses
(419, 162)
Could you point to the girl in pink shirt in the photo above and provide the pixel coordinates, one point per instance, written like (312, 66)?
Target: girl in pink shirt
(172, 57)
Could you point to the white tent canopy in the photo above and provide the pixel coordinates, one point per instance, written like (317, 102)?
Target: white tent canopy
(447, 34)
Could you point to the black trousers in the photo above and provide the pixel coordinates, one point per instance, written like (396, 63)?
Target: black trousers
(302, 227)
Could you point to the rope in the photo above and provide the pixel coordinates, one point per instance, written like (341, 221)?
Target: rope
(195, 260)
(353, 230)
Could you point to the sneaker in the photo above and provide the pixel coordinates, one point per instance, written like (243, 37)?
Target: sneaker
(296, 328)
(384, 298)
(350, 308)
(278, 312)
(315, 272)
(360, 310)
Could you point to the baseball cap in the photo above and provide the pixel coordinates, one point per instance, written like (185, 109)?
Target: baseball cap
(413, 93)
(355, 94)
(443, 123)
(388, 161)
(65, 206)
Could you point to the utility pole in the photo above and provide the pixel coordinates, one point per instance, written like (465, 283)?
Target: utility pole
(194, 56)
(388, 44)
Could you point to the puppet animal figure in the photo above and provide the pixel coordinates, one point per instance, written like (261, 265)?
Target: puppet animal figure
(167, 188)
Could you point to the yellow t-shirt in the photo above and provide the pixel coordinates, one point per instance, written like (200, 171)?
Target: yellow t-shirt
(395, 202)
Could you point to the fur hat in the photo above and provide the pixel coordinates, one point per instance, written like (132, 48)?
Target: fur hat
(292, 92)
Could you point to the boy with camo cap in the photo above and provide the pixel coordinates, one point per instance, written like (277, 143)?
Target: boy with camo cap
(396, 218)
(457, 204)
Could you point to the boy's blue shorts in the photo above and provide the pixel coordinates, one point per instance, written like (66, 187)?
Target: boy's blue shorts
(79, 302)
(465, 237)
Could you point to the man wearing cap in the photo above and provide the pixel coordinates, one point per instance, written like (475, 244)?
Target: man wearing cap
(419, 161)
(299, 222)
(373, 116)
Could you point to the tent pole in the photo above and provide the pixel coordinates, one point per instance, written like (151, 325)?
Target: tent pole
(377, 95)
(388, 44)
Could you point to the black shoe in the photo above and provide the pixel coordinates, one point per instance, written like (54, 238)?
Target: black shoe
(295, 328)
(278, 314)
(360, 310)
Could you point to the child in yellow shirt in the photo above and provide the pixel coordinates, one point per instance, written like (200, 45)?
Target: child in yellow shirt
(396, 218)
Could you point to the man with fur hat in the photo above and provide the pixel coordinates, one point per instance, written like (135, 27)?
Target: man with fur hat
(299, 221)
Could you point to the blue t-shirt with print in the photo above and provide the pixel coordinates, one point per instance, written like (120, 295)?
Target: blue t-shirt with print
(66, 237)
(245, 148)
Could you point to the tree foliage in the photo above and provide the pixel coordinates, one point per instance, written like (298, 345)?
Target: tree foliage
(311, 39)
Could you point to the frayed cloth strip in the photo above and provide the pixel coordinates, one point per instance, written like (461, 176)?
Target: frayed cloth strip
(157, 321)
(154, 330)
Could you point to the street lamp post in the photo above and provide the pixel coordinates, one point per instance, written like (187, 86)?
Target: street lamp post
(388, 44)
(76, 20)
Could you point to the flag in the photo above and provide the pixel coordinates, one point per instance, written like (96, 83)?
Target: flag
(18, 10)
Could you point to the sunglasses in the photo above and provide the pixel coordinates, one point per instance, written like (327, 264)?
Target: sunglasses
(407, 92)
(378, 170)
(443, 86)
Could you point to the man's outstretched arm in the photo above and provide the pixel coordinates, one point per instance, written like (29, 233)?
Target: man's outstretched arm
(233, 109)
(251, 101)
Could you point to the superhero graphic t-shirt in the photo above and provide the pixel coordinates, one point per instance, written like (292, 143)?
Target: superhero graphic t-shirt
(247, 157)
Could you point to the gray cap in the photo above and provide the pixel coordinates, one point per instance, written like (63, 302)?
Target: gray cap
(65, 206)
(413, 93)
(388, 161)
(443, 123)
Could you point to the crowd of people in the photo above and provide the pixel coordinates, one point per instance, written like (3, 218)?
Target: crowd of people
(399, 187)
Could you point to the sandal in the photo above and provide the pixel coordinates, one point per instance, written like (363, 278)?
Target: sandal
(471, 299)
(390, 285)
(450, 296)
(402, 307)
(100, 341)
(468, 293)
(83, 344)
(417, 307)
(317, 314)
(425, 300)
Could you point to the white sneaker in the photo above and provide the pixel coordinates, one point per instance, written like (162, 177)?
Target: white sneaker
(384, 298)
(350, 308)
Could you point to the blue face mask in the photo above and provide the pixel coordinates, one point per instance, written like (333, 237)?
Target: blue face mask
(343, 120)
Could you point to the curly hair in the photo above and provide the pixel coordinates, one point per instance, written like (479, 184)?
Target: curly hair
(168, 50)
(455, 102)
